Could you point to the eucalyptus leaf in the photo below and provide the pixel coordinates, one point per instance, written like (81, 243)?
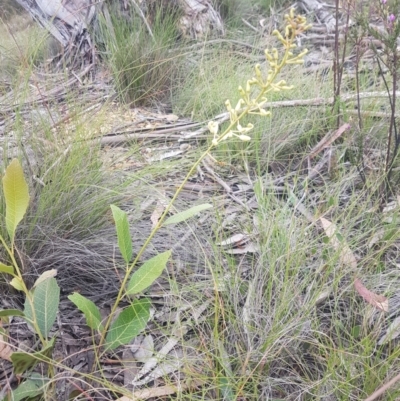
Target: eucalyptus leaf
(130, 322)
(30, 388)
(44, 276)
(147, 273)
(46, 297)
(89, 309)
(123, 234)
(187, 214)
(6, 269)
(11, 312)
(16, 196)
(17, 284)
(22, 361)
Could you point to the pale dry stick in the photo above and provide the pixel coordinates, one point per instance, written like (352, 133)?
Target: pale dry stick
(318, 101)
(148, 133)
(250, 26)
(376, 114)
(382, 389)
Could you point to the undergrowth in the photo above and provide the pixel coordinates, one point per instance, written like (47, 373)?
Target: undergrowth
(141, 57)
(283, 320)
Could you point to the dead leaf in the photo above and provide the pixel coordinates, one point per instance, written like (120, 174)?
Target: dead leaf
(376, 238)
(5, 349)
(392, 332)
(346, 255)
(171, 117)
(144, 394)
(145, 350)
(248, 248)
(379, 301)
(235, 240)
(157, 212)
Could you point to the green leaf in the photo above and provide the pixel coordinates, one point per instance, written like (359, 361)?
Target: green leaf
(89, 309)
(16, 196)
(31, 387)
(22, 361)
(44, 276)
(227, 389)
(46, 297)
(6, 269)
(187, 214)
(11, 312)
(131, 321)
(123, 234)
(147, 273)
(16, 282)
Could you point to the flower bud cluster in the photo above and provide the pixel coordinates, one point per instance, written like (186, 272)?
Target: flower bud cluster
(253, 96)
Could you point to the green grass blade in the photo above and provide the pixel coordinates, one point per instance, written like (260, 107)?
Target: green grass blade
(16, 196)
(124, 236)
(187, 214)
(147, 273)
(89, 309)
(131, 321)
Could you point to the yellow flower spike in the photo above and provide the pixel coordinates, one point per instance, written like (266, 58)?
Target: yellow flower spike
(213, 127)
(279, 36)
(296, 62)
(267, 55)
(239, 105)
(287, 31)
(257, 70)
(253, 95)
(248, 87)
(264, 113)
(244, 138)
